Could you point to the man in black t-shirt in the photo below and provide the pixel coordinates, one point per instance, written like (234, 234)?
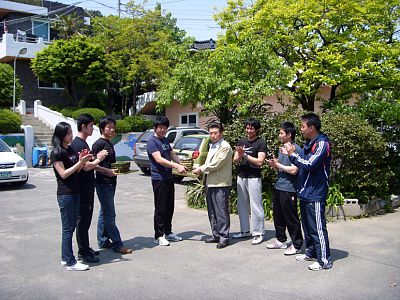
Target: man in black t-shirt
(85, 124)
(106, 183)
(250, 155)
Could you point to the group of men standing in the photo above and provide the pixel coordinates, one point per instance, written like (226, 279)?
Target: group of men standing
(302, 174)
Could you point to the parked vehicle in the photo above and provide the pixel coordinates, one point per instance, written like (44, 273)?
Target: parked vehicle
(13, 168)
(173, 135)
(192, 150)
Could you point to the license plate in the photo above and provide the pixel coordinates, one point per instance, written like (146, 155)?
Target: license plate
(182, 157)
(5, 175)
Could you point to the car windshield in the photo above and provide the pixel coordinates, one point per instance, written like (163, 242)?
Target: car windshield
(145, 136)
(3, 147)
(188, 143)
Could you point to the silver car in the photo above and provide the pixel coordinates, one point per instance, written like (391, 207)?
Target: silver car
(13, 168)
(173, 134)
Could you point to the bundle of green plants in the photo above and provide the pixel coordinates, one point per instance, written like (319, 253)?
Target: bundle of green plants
(138, 123)
(123, 126)
(10, 122)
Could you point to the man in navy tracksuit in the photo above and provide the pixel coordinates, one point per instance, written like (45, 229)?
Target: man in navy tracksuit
(313, 184)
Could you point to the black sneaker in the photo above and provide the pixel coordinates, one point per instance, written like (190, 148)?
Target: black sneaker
(89, 259)
(107, 245)
(94, 252)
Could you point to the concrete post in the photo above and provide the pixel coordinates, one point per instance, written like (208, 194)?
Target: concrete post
(29, 143)
(35, 108)
(22, 107)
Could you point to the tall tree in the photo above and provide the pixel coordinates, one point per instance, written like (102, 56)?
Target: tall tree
(139, 52)
(72, 62)
(351, 46)
(231, 80)
(7, 86)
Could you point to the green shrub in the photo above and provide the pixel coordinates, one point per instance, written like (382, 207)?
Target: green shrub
(358, 157)
(138, 123)
(96, 113)
(123, 126)
(7, 86)
(10, 122)
(67, 111)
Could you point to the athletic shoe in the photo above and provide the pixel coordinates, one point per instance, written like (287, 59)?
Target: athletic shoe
(241, 235)
(277, 245)
(173, 238)
(78, 267)
(89, 258)
(303, 257)
(258, 239)
(291, 251)
(162, 241)
(94, 252)
(63, 263)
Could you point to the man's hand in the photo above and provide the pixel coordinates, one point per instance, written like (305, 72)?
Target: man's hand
(110, 173)
(240, 150)
(289, 148)
(273, 163)
(196, 171)
(102, 154)
(85, 156)
(181, 169)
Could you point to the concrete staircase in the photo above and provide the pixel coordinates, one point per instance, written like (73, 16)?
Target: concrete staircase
(42, 133)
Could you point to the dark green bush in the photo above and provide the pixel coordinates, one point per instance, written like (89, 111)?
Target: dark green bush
(67, 111)
(96, 113)
(7, 86)
(10, 122)
(138, 123)
(358, 157)
(123, 126)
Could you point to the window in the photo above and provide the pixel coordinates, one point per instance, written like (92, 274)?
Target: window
(49, 85)
(41, 29)
(171, 136)
(188, 119)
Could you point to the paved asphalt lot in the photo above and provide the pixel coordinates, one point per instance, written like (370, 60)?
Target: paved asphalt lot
(365, 253)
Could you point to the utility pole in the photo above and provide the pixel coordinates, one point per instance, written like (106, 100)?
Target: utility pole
(119, 8)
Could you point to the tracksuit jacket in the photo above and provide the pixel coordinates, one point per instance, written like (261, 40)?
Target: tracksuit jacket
(314, 167)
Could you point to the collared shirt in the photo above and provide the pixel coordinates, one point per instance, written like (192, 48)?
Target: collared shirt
(213, 148)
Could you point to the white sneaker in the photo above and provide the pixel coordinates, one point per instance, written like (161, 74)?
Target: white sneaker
(162, 241)
(78, 267)
(241, 235)
(63, 263)
(258, 239)
(173, 238)
(277, 245)
(291, 251)
(303, 257)
(315, 266)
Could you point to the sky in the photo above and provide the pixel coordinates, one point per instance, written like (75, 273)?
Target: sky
(193, 16)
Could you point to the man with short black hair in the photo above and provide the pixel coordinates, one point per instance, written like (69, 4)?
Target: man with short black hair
(163, 159)
(218, 171)
(284, 198)
(85, 124)
(250, 155)
(313, 184)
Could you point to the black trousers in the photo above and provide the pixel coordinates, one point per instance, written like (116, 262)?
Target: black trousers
(286, 216)
(164, 203)
(84, 220)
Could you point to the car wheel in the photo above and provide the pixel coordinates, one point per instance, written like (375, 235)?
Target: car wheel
(145, 170)
(178, 179)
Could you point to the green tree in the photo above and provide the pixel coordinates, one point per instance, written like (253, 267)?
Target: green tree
(68, 26)
(139, 52)
(231, 80)
(350, 46)
(7, 86)
(75, 63)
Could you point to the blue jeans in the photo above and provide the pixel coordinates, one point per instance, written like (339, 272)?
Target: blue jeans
(106, 226)
(69, 210)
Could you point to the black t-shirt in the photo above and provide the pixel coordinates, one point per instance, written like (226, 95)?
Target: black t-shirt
(86, 178)
(99, 145)
(246, 169)
(70, 185)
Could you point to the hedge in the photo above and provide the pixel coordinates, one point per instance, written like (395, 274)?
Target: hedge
(138, 123)
(123, 126)
(10, 122)
(96, 113)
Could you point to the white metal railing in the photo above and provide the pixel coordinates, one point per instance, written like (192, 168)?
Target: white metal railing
(52, 118)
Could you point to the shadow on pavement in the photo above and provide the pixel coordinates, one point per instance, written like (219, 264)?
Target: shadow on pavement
(337, 254)
(10, 186)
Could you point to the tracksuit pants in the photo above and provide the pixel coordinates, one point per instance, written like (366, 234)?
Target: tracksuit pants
(250, 199)
(285, 216)
(315, 232)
